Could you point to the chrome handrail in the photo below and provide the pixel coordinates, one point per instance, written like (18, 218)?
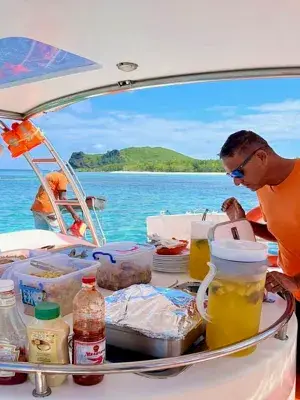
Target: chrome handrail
(279, 328)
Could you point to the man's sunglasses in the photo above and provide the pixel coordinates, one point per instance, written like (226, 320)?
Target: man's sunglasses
(239, 172)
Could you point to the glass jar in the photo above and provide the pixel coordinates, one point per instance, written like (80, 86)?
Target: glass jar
(13, 338)
(199, 249)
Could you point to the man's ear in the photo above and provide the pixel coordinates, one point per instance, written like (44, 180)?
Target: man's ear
(262, 156)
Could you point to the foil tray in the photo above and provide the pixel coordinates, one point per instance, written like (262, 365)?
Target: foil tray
(129, 339)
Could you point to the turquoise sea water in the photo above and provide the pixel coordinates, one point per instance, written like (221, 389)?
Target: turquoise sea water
(131, 198)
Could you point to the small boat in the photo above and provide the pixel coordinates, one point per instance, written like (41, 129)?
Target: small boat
(56, 54)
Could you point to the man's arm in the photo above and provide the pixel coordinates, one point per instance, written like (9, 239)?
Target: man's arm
(62, 196)
(261, 230)
(235, 211)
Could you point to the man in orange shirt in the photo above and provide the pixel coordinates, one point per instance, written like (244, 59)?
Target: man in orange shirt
(43, 213)
(250, 161)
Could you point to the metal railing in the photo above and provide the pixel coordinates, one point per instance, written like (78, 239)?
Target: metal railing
(277, 330)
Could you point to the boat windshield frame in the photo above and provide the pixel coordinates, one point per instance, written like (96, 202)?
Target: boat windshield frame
(129, 85)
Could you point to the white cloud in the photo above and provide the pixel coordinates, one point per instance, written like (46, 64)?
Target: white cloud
(77, 129)
(226, 111)
(82, 107)
(194, 137)
(99, 146)
(285, 106)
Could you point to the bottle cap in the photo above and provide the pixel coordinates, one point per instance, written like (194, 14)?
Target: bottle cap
(46, 310)
(6, 285)
(88, 279)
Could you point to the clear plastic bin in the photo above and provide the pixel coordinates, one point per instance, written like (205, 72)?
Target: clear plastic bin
(8, 258)
(124, 264)
(61, 289)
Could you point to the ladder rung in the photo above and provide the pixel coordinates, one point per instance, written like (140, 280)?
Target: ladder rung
(67, 202)
(44, 160)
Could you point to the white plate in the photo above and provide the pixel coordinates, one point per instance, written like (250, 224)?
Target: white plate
(185, 259)
(172, 264)
(171, 261)
(178, 260)
(185, 254)
(170, 271)
(170, 267)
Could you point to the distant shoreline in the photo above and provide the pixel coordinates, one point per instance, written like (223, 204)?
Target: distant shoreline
(152, 172)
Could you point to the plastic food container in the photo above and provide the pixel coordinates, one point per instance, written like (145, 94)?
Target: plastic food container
(124, 264)
(8, 258)
(59, 283)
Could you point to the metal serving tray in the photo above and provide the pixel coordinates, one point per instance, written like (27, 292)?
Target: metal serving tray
(126, 338)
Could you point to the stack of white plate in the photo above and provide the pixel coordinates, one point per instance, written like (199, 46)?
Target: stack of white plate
(171, 263)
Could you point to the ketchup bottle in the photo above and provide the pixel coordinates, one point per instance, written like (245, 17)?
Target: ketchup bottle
(89, 330)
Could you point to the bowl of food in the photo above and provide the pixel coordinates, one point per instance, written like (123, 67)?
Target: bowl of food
(168, 247)
(172, 249)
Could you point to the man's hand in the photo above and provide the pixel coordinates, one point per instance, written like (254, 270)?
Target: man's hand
(276, 281)
(76, 217)
(52, 217)
(233, 209)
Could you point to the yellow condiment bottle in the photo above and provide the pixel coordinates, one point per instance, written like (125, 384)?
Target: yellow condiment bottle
(48, 340)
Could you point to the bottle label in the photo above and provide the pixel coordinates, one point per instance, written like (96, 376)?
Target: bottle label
(8, 353)
(43, 346)
(32, 295)
(89, 352)
(7, 299)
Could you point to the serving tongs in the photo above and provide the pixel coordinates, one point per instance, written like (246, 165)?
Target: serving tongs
(49, 267)
(81, 255)
(205, 214)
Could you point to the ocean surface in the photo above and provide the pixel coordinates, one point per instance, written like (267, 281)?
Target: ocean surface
(130, 198)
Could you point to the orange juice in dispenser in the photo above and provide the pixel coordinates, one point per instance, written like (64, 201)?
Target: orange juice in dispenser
(236, 282)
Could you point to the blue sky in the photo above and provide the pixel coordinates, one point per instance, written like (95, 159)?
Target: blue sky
(193, 119)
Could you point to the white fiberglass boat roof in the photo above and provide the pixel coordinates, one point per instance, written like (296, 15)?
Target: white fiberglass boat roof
(53, 53)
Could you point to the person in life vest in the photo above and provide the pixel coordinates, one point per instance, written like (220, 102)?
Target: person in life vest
(43, 213)
(250, 161)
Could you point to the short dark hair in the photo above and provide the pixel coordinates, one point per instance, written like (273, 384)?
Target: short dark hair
(241, 141)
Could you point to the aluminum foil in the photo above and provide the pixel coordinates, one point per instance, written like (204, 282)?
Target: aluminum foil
(156, 312)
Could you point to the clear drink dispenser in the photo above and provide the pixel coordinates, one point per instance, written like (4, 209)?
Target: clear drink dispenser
(236, 281)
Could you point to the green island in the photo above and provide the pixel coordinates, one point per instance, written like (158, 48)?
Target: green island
(142, 159)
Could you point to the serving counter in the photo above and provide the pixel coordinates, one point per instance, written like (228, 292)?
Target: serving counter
(267, 374)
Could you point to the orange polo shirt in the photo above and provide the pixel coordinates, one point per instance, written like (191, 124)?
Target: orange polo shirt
(57, 183)
(280, 206)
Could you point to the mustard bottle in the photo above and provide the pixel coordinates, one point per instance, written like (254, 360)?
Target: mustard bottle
(48, 340)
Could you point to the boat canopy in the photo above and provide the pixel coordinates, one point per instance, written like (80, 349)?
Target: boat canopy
(58, 52)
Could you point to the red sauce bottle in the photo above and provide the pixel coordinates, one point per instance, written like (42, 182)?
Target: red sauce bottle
(13, 337)
(89, 330)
